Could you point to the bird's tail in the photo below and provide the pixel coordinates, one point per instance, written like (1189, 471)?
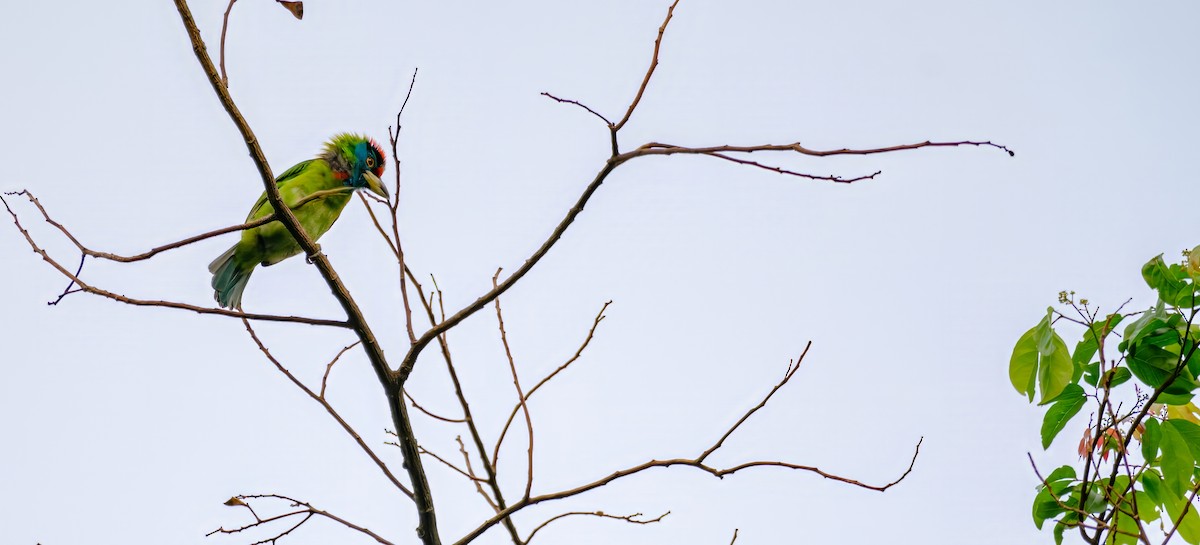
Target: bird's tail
(229, 279)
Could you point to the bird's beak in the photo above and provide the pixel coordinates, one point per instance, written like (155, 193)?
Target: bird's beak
(375, 185)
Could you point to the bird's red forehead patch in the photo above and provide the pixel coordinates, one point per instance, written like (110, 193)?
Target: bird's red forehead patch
(382, 155)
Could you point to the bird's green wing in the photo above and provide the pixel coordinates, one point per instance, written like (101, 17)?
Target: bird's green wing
(257, 210)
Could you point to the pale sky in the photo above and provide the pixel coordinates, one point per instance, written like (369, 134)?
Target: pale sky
(133, 425)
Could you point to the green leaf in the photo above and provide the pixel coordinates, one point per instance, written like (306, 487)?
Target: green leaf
(1177, 462)
(1022, 367)
(1061, 473)
(1189, 527)
(1065, 407)
(1166, 279)
(1059, 528)
(1045, 506)
(1159, 312)
(1041, 359)
(1091, 373)
(1128, 530)
(1147, 509)
(1150, 440)
(1152, 484)
(1189, 432)
(1055, 370)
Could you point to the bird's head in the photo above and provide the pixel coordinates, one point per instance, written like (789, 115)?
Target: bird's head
(357, 161)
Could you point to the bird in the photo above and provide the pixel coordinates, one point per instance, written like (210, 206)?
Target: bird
(322, 187)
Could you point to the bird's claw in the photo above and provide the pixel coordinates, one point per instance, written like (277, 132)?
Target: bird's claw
(316, 250)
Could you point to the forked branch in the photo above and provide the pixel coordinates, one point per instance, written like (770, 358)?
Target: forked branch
(304, 510)
(697, 462)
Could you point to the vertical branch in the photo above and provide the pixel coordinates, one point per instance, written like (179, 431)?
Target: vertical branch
(390, 381)
(224, 30)
(394, 206)
(512, 366)
(488, 465)
(649, 72)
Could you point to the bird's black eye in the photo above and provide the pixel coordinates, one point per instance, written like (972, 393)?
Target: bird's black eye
(370, 162)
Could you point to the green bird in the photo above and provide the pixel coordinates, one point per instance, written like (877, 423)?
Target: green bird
(348, 162)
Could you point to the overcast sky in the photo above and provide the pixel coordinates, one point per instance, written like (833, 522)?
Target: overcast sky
(133, 425)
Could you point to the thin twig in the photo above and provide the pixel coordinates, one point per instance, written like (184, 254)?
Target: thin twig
(512, 366)
(780, 170)
(68, 290)
(320, 399)
(632, 519)
(477, 440)
(450, 465)
(224, 29)
(430, 413)
(394, 206)
(308, 511)
(581, 105)
(649, 72)
(462, 448)
(517, 407)
(793, 366)
(328, 368)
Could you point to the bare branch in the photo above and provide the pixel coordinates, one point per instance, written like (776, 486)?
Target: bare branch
(307, 512)
(479, 488)
(394, 206)
(793, 366)
(697, 463)
(224, 29)
(581, 105)
(328, 368)
(458, 470)
(320, 399)
(68, 290)
(686, 462)
(512, 366)
(84, 286)
(517, 407)
(142, 256)
(477, 440)
(779, 170)
(632, 519)
(657, 148)
(432, 414)
(649, 71)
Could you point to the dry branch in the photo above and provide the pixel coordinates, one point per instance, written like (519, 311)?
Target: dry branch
(391, 383)
(512, 366)
(320, 399)
(307, 512)
(632, 519)
(697, 463)
(86, 287)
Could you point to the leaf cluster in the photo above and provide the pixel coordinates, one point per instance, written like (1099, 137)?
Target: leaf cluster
(1140, 392)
